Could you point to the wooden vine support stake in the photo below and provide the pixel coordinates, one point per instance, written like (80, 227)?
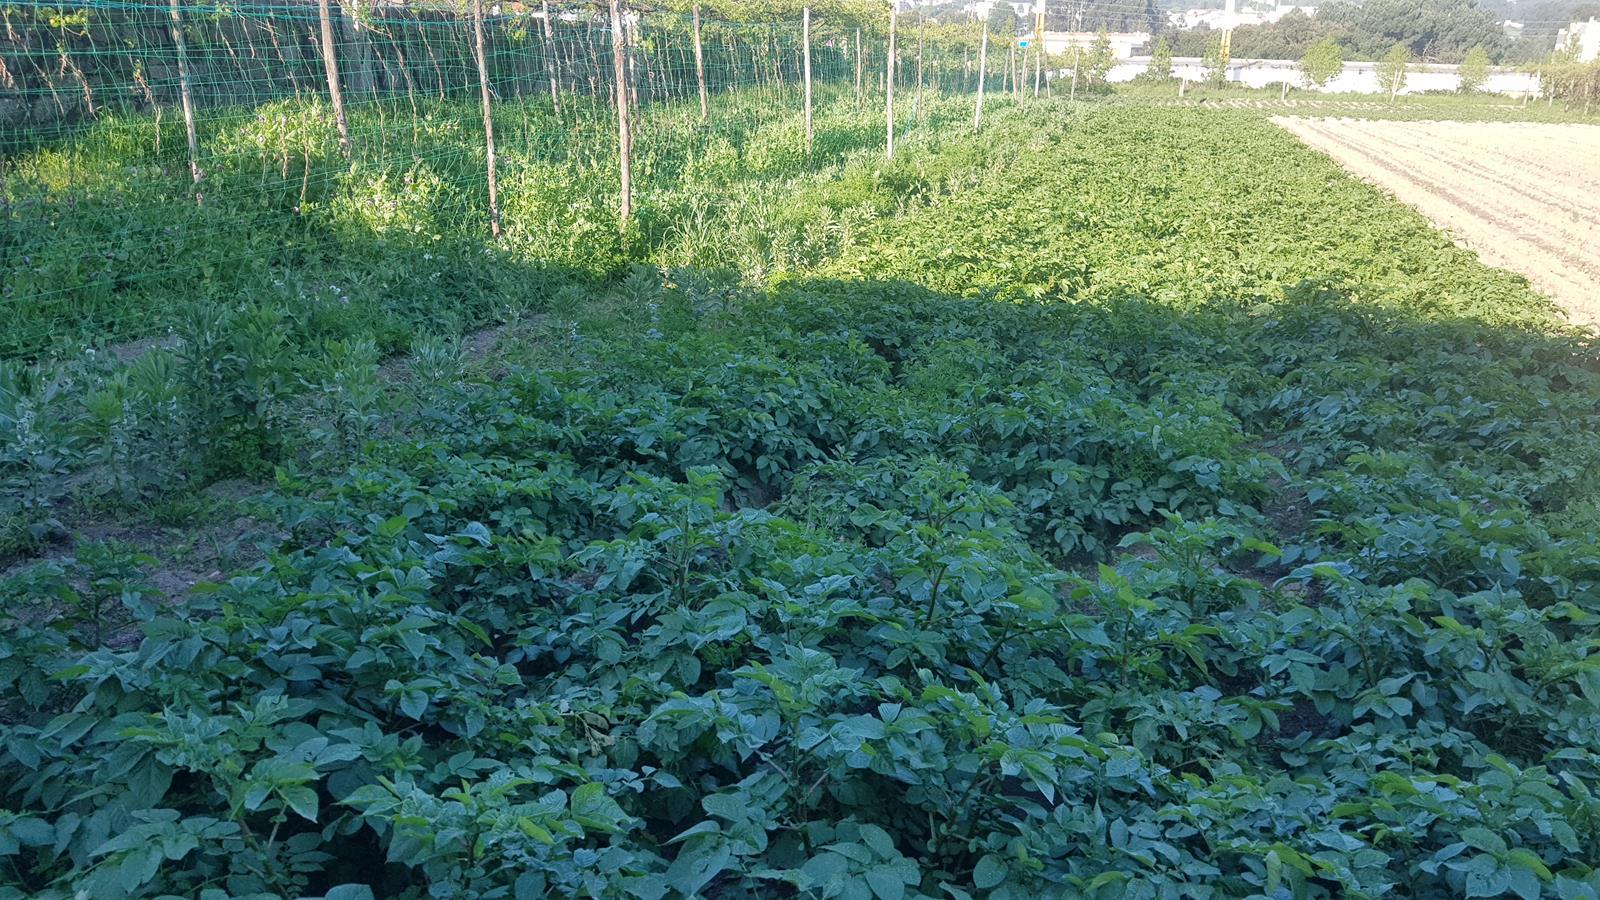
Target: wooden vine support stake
(1038, 52)
(1012, 87)
(330, 64)
(700, 68)
(917, 106)
(619, 64)
(858, 68)
(630, 43)
(488, 115)
(983, 69)
(806, 43)
(888, 102)
(183, 93)
(552, 59)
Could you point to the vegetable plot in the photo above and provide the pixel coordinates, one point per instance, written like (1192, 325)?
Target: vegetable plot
(1106, 525)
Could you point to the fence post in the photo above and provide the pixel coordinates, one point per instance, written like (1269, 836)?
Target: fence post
(630, 41)
(917, 106)
(888, 102)
(858, 68)
(330, 64)
(983, 69)
(619, 65)
(805, 40)
(700, 69)
(1011, 68)
(552, 59)
(1038, 51)
(183, 92)
(488, 116)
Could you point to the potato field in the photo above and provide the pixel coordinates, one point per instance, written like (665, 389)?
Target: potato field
(1519, 194)
(1120, 500)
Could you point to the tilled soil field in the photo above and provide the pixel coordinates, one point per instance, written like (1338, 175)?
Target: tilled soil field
(1522, 195)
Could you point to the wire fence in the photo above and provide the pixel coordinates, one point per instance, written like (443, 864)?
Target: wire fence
(135, 135)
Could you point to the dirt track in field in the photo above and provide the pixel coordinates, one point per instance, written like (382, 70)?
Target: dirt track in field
(1525, 197)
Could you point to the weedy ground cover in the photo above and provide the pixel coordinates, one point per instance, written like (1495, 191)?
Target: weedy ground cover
(1431, 106)
(1122, 503)
(107, 241)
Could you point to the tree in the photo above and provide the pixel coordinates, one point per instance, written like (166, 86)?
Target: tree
(1432, 30)
(1111, 15)
(1215, 62)
(1474, 70)
(1322, 63)
(1003, 21)
(1098, 61)
(1161, 62)
(1542, 19)
(1392, 69)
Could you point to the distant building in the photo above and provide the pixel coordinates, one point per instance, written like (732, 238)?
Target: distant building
(1513, 30)
(1123, 43)
(1230, 16)
(1583, 37)
(982, 9)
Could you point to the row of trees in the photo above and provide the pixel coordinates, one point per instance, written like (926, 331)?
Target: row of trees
(1324, 61)
(1441, 31)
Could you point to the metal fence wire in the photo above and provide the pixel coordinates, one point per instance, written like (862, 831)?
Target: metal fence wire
(255, 115)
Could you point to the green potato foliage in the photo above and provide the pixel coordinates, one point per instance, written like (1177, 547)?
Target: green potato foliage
(1111, 504)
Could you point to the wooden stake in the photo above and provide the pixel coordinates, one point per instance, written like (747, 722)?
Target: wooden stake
(488, 116)
(1038, 52)
(983, 68)
(806, 43)
(630, 41)
(552, 59)
(700, 68)
(619, 64)
(858, 68)
(888, 103)
(330, 64)
(917, 107)
(1011, 69)
(183, 94)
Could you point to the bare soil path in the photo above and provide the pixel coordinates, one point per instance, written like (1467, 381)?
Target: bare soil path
(1524, 196)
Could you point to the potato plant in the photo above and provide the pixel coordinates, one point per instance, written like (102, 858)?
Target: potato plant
(1112, 505)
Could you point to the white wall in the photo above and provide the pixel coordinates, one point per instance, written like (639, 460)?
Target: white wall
(1122, 43)
(1357, 77)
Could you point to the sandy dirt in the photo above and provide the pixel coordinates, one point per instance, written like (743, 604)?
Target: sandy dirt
(1524, 196)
